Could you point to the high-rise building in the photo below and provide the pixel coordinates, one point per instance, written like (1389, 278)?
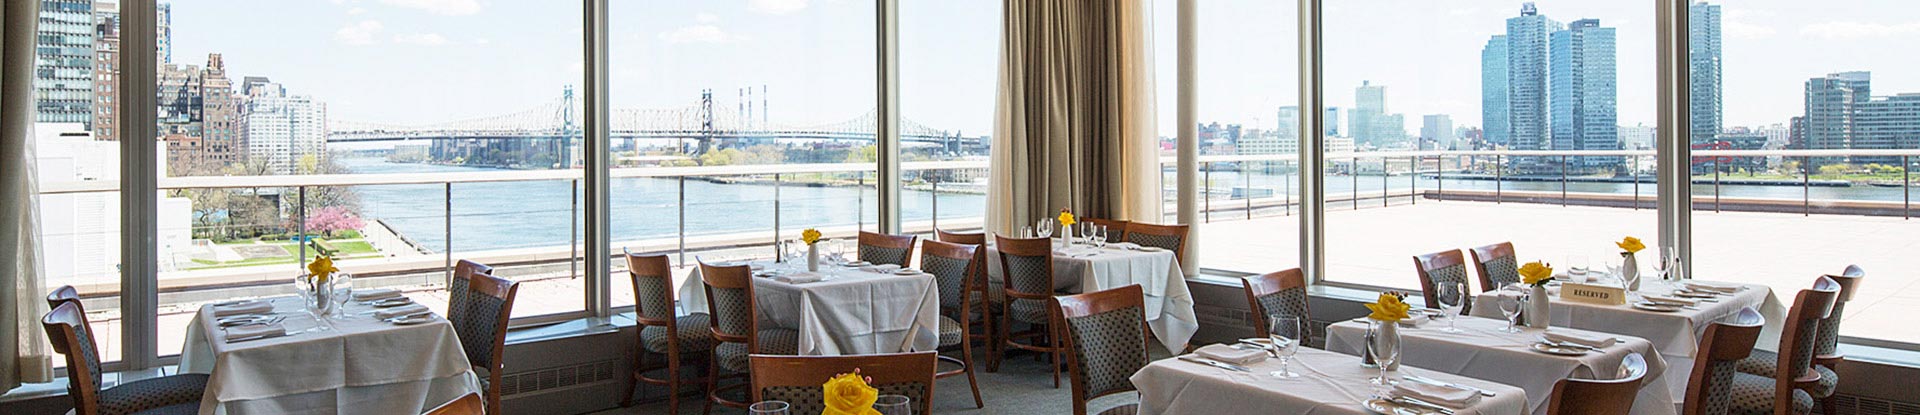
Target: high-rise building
(1332, 121)
(1436, 132)
(63, 76)
(1583, 101)
(279, 128)
(1493, 90)
(1372, 125)
(1832, 103)
(163, 40)
(1289, 123)
(1703, 71)
(1887, 123)
(1527, 126)
(106, 63)
(197, 114)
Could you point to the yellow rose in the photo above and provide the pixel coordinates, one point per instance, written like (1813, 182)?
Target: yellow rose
(1389, 308)
(1536, 273)
(1631, 245)
(810, 236)
(1066, 217)
(321, 268)
(848, 394)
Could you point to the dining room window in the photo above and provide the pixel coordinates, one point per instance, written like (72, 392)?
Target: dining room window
(77, 160)
(949, 61)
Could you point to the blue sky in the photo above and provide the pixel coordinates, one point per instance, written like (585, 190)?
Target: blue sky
(417, 61)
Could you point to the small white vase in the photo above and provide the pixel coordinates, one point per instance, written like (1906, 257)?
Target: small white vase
(1066, 236)
(1630, 271)
(813, 258)
(1538, 313)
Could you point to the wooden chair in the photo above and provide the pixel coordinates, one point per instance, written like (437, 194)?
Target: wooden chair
(953, 268)
(1826, 347)
(1116, 229)
(880, 248)
(482, 329)
(1170, 237)
(1027, 266)
(1439, 271)
(990, 295)
(1105, 335)
(796, 380)
(71, 336)
(1722, 345)
(1600, 397)
(60, 295)
(736, 329)
(468, 404)
(457, 288)
(1784, 391)
(660, 331)
(1282, 293)
(975, 239)
(1497, 265)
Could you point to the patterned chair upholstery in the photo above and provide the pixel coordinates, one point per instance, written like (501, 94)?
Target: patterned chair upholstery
(477, 328)
(1502, 271)
(1826, 344)
(1276, 293)
(1755, 394)
(886, 249)
(1441, 273)
(1715, 386)
(675, 340)
(730, 305)
(457, 288)
(1116, 229)
(797, 379)
(71, 335)
(1106, 340)
(169, 395)
(1029, 274)
(949, 276)
(481, 327)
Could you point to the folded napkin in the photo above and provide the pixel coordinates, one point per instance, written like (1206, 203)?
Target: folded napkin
(372, 294)
(797, 278)
(1124, 245)
(882, 268)
(242, 307)
(1593, 340)
(1698, 286)
(1668, 300)
(254, 331)
(409, 309)
(1447, 396)
(1229, 354)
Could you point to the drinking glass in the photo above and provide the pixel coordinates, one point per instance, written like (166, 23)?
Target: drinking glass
(768, 408)
(1026, 231)
(1100, 236)
(892, 405)
(342, 292)
(1453, 299)
(1286, 333)
(1385, 354)
(1045, 227)
(1577, 265)
(1513, 298)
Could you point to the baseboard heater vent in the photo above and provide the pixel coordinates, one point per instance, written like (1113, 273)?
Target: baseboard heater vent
(1855, 405)
(559, 377)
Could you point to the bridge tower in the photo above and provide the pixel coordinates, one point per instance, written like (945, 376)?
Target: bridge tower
(706, 122)
(568, 128)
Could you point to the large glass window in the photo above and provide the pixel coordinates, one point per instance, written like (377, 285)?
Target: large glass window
(1425, 91)
(949, 58)
(77, 156)
(738, 124)
(1785, 164)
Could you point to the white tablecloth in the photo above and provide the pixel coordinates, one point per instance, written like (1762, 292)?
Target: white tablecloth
(1486, 352)
(1329, 384)
(849, 312)
(1676, 334)
(356, 365)
(1084, 268)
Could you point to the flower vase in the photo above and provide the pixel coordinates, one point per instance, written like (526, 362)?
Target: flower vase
(1538, 313)
(1383, 337)
(1066, 236)
(813, 258)
(1630, 271)
(319, 295)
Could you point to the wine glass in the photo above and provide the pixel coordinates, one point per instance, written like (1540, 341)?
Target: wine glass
(768, 408)
(1045, 227)
(342, 292)
(1577, 266)
(1453, 299)
(1512, 300)
(1664, 267)
(1385, 353)
(1026, 231)
(1286, 333)
(893, 405)
(1100, 236)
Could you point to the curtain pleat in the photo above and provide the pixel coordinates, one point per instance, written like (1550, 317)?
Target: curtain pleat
(24, 355)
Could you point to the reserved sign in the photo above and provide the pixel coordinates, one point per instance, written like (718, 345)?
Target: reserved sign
(1596, 294)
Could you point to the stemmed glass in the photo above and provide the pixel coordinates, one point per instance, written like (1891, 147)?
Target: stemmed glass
(1512, 300)
(893, 405)
(1286, 333)
(1045, 227)
(1668, 261)
(768, 408)
(1100, 236)
(1453, 299)
(1385, 353)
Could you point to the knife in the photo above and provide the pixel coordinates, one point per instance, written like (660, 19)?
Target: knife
(1435, 382)
(1215, 363)
(1423, 404)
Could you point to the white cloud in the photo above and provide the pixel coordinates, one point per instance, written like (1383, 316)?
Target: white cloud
(358, 33)
(699, 34)
(706, 18)
(776, 6)
(445, 7)
(420, 39)
(1851, 30)
(482, 41)
(356, 11)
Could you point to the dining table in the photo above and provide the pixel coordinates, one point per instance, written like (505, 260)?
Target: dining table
(839, 309)
(351, 362)
(1485, 350)
(1081, 268)
(1328, 384)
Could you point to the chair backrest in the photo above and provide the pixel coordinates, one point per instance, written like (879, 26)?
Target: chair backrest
(1027, 265)
(1283, 293)
(60, 295)
(797, 380)
(483, 330)
(1170, 237)
(1441, 271)
(457, 288)
(1826, 345)
(960, 238)
(1600, 396)
(1722, 346)
(1798, 336)
(68, 331)
(1116, 229)
(952, 267)
(468, 404)
(880, 248)
(730, 303)
(1105, 334)
(1497, 265)
(652, 289)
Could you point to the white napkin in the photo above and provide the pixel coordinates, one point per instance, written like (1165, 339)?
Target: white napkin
(1124, 245)
(252, 331)
(1584, 339)
(242, 307)
(1229, 354)
(797, 278)
(882, 268)
(1662, 299)
(408, 309)
(1698, 286)
(1448, 396)
(372, 294)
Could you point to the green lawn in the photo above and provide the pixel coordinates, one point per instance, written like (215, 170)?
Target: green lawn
(349, 249)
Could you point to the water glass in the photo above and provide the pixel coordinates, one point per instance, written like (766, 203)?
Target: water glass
(1453, 299)
(1100, 236)
(1286, 332)
(1385, 349)
(1513, 298)
(893, 405)
(768, 408)
(1577, 265)
(1045, 227)
(1026, 232)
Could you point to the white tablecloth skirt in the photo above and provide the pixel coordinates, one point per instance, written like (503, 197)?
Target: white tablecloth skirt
(1329, 384)
(850, 312)
(1084, 269)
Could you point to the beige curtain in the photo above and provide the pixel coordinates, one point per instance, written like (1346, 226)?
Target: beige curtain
(23, 352)
(1074, 124)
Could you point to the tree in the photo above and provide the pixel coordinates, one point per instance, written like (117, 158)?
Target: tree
(864, 154)
(329, 220)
